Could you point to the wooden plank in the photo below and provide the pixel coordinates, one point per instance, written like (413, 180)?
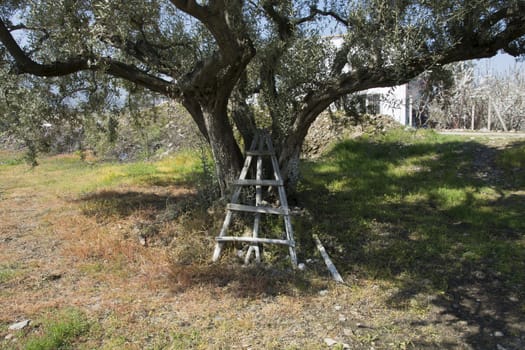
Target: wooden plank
(259, 153)
(329, 264)
(255, 240)
(251, 182)
(262, 210)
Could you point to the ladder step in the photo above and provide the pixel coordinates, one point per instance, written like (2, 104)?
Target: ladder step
(258, 182)
(259, 153)
(255, 240)
(262, 210)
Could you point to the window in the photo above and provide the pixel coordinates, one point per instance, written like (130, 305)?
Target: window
(373, 105)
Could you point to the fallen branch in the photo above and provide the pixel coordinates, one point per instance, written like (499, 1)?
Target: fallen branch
(329, 264)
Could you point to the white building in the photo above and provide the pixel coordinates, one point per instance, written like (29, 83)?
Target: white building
(393, 101)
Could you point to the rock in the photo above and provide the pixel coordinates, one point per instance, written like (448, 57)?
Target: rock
(9, 336)
(54, 276)
(301, 267)
(19, 325)
(498, 334)
(479, 275)
(342, 318)
(337, 307)
(330, 341)
(348, 332)
(323, 292)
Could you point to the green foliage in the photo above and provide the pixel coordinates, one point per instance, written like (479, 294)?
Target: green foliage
(60, 331)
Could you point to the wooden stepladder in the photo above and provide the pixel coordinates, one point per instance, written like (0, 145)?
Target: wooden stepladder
(261, 147)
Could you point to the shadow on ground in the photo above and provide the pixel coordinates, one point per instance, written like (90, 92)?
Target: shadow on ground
(244, 282)
(442, 219)
(124, 203)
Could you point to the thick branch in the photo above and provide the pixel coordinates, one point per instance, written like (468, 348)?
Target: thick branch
(192, 8)
(25, 64)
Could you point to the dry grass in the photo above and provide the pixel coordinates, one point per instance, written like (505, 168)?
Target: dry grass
(127, 247)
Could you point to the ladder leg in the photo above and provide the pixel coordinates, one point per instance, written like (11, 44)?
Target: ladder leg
(224, 229)
(234, 199)
(254, 248)
(258, 200)
(289, 237)
(284, 204)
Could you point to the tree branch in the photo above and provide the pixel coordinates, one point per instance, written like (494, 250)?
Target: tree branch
(314, 11)
(25, 64)
(192, 8)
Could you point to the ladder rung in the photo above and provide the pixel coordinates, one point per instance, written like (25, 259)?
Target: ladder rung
(255, 240)
(259, 153)
(258, 182)
(262, 210)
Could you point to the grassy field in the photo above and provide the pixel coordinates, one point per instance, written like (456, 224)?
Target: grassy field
(427, 230)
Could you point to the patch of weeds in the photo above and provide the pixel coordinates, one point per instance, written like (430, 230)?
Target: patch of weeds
(11, 162)
(8, 272)
(191, 249)
(59, 331)
(92, 268)
(184, 341)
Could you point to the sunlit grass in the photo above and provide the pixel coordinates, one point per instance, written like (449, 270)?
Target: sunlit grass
(69, 174)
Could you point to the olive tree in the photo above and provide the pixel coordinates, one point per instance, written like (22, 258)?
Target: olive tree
(220, 57)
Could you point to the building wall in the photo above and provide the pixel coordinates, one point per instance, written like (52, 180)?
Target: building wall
(393, 102)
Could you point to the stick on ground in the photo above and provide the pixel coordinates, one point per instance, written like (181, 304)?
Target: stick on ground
(329, 264)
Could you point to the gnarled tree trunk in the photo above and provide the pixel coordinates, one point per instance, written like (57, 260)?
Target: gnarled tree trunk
(225, 150)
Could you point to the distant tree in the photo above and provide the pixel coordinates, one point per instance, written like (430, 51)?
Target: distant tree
(214, 56)
(460, 97)
(505, 93)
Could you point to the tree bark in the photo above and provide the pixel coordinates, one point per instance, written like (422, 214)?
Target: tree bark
(225, 150)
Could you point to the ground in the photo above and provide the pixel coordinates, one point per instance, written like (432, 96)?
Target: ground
(117, 251)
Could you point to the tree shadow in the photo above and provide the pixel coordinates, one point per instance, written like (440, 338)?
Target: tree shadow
(191, 249)
(125, 203)
(244, 281)
(441, 218)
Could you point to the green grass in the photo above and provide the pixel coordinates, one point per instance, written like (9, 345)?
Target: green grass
(59, 331)
(6, 274)
(11, 271)
(513, 157)
(69, 174)
(412, 203)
